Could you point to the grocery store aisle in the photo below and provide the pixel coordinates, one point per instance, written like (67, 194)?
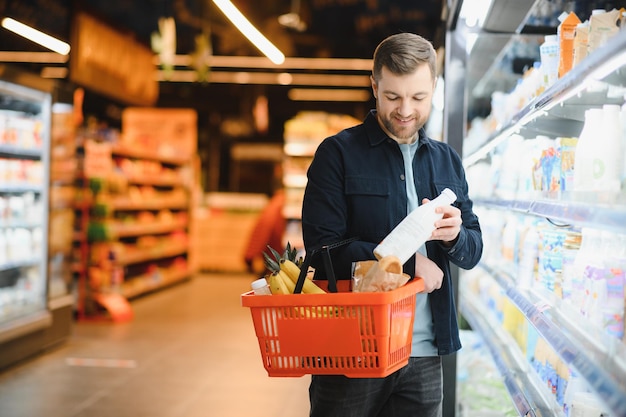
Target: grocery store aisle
(190, 351)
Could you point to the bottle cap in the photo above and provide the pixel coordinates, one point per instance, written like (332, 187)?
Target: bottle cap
(449, 194)
(259, 283)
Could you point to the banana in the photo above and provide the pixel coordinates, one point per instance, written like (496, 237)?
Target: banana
(293, 272)
(290, 268)
(282, 275)
(277, 286)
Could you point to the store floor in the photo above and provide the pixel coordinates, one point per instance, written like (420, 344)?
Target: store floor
(190, 351)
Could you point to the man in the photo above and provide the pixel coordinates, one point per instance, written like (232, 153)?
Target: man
(361, 183)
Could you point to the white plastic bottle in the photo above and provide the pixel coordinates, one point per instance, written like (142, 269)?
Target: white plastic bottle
(613, 154)
(583, 158)
(413, 231)
(260, 287)
(549, 52)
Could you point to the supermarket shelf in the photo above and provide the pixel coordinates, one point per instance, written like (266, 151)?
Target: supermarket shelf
(119, 150)
(597, 358)
(305, 148)
(19, 264)
(144, 255)
(160, 180)
(127, 204)
(142, 284)
(295, 180)
(22, 153)
(126, 230)
(520, 380)
(21, 188)
(21, 224)
(560, 109)
(598, 210)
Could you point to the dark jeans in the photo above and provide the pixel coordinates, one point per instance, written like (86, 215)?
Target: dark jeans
(413, 391)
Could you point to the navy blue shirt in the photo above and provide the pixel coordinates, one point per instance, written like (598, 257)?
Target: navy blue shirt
(356, 188)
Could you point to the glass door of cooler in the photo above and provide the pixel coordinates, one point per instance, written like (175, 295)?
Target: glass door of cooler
(24, 160)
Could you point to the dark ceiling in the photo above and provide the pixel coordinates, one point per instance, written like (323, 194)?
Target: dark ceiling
(335, 28)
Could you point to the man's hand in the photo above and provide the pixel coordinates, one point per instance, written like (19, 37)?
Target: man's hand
(446, 229)
(429, 272)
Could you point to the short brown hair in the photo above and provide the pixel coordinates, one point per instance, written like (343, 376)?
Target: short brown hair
(402, 53)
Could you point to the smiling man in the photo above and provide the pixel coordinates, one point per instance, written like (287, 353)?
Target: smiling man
(361, 183)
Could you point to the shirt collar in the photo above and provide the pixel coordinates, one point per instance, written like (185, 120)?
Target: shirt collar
(377, 135)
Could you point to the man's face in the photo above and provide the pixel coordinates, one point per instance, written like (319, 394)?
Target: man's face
(403, 102)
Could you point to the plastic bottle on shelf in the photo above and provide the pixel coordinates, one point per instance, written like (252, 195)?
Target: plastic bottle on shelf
(260, 287)
(596, 162)
(615, 143)
(613, 275)
(413, 231)
(549, 53)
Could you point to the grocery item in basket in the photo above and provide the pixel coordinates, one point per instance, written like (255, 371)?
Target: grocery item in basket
(378, 276)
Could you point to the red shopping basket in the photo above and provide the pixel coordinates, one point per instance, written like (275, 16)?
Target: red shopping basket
(359, 335)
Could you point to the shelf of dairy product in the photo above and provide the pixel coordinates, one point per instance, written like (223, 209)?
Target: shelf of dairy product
(597, 357)
(567, 282)
(24, 166)
(597, 80)
(553, 370)
(526, 389)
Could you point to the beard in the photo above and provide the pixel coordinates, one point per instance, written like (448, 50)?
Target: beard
(404, 132)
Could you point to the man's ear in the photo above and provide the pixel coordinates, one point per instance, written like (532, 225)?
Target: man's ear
(374, 87)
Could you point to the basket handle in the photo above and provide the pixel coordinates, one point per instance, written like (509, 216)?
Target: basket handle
(328, 265)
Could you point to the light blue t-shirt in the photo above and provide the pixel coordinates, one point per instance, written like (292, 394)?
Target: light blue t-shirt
(423, 331)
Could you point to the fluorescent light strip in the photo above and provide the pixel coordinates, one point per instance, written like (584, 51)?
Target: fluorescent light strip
(324, 64)
(229, 77)
(249, 31)
(36, 36)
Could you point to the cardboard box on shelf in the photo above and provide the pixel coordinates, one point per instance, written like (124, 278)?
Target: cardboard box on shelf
(220, 231)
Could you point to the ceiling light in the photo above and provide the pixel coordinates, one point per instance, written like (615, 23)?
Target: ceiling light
(249, 31)
(292, 19)
(36, 36)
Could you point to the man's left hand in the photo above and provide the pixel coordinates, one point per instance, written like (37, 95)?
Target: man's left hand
(447, 228)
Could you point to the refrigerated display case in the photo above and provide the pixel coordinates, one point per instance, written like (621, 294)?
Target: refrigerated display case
(25, 107)
(550, 308)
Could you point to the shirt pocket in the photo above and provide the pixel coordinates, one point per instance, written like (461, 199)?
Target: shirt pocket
(455, 186)
(369, 211)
